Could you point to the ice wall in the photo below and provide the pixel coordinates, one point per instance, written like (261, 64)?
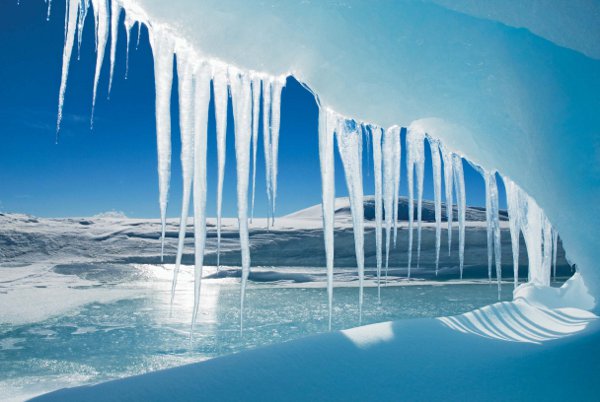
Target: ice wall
(507, 99)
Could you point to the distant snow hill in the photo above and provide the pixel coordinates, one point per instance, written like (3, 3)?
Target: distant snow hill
(296, 240)
(342, 209)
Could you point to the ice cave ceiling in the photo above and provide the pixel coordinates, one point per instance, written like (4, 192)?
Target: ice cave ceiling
(512, 85)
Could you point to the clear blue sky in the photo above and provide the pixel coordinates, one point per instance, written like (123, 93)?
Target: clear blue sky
(113, 167)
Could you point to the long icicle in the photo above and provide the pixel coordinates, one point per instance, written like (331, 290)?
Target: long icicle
(220, 82)
(397, 153)
(102, 22)
(376, 133)
(488, 222)
(201, 102)
(513, 203)
(84, 6)
(129, 22)
(266, 94)
(461, 200)
(436, 164)
(241, 95)
(554, 251)
(186, 128)
(67, 51)
(278, 84)
(326, 159)
(415, 162)
(494, 203)
(349, 139)
(448, 185)
(115, 12)
(389, 141)
(255, 117)
(162, 49)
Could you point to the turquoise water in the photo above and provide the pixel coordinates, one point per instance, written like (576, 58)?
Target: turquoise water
(101, 341)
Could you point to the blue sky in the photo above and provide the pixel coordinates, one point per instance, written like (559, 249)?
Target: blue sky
(113, 166)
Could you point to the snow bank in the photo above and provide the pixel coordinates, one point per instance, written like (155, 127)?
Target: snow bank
(405, 360)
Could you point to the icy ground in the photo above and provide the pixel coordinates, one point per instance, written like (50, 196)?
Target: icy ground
(67, 284)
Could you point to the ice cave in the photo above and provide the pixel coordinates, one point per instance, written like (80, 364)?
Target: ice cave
(413, 99)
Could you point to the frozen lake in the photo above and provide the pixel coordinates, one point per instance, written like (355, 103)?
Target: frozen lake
(114, 320)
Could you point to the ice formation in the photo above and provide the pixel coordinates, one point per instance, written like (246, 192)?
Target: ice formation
(349, 139)
(255, 116)
(185, 70)
(461, 201)
(415, 163)
(327, 162)
(195, 74)
(436, 164)
(220, 82)
(493, 226)
(115, 12)
(391, 161)
(376, 133)
(163, 49)
(241, 95)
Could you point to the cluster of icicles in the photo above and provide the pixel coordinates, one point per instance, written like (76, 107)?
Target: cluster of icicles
(247, 89)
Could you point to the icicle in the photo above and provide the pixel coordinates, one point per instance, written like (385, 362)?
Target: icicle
(326, 159)
(49, 10)
(390, 139)
(436, 164)
(266, 93)
(349, 139)
(221, 97)
(129, 22)
(137, 43)
(448, 180)
(547, 249)
(495, 227)
(278, 84)
(488, 222)
(115, 12)
(68, 49)
(554, 251)
(241, 96)
(368, 141)
(513, 203)
(162, 49)
(83, 9)
(255, 116)
(461, 200)
(396, 174)
(102, 17)
(536, 230)
(186, 128)
(376, 133)
(415, 162)
(201, 102)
